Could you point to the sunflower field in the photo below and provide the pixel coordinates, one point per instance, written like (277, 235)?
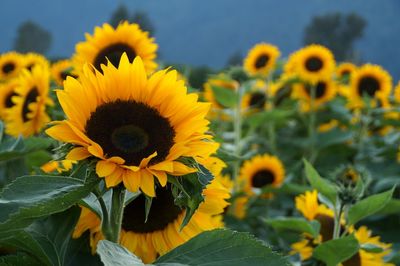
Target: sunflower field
(111, 157)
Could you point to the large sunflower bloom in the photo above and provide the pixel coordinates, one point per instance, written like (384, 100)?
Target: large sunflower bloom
(314, 62)
(28, 114)
(10, 65)
(369, 80)
(108, 43)
(161, 232)
(261, 59)
(137, 127)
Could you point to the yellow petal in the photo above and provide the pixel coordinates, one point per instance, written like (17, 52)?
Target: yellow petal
(77, 154)
(181, 169)
(145, 161)
(147, 183)
(161, 176)
(131, 180)
(105, 168)
(115, 178)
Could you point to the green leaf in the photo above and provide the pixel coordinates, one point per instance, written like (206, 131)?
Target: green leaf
(334, 251)
(368, 206)
(190, 191)
(371, 248)
(222, 247)
(275, 115)
(392, 207)
(112, 254)
(335, 136)
(13, 149)
(147, 207)
(225, 97)
(300, 225)
(323, 186)
(18, 259)
(1, 131)
(31, 197)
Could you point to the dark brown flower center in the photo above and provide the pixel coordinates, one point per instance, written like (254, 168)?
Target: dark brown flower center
(8, 67)
(113, 53)
(30, 67)
(31, 97)
(257, 99)
(262, 178)
(314, 64)
(163, 211)
(368, 85)
(131, 130)
(353, 261)
(327, 226)
(8, 103)
(262, 61)
(320, 89)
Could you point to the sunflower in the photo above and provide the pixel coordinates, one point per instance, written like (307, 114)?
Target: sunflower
(59, 166)
(261, 171)
(345, 70)
(397, 93)
(371, 81)
(60, 70)
(34, 59)
(28, 114)
(328, 126)
(161, 232)
(256, 99)
(137, 127)
(7, 91)
(324, 91)
(313, 63)
(108, 43)
(10, 65)
(261, 59)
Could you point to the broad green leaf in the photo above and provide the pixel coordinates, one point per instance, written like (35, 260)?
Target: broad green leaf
(18, 259)
(299, 225)
(31, 197)
(23, 240)
(223, 247)
(112, 254)
(224, 96)
(392, 207)
(323, 186)
(335, 136)
(17, 148)
(54, 234)
(334, 251)
(275, 115)
(368, 206)
(371, 248)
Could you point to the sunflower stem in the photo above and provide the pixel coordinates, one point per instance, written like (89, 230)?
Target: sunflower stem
(365, 122)
(338, 214)
(311, 126)
(117, 210)
(237, 127)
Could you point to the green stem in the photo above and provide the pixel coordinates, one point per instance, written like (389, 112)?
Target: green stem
(311, 127)
(338, 214)
(117, 211)
(237, 127)
(365, 121)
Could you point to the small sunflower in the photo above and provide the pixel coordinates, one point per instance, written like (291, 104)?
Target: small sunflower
(10, 65)
(261, 171)
(28, 114)
(108, 43)
(261, 59)
(256, 98)
(138, 127)
(345, 70)
(328, 126)
(34, 59)
(7, 91)
(369, 80)
(397, 93)
(161, 232)
(313, 63)
(60, 70)
(324, 91)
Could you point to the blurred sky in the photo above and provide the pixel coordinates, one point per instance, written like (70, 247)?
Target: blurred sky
(207, 32)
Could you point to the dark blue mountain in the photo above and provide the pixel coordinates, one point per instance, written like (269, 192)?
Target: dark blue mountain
(207, 32)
